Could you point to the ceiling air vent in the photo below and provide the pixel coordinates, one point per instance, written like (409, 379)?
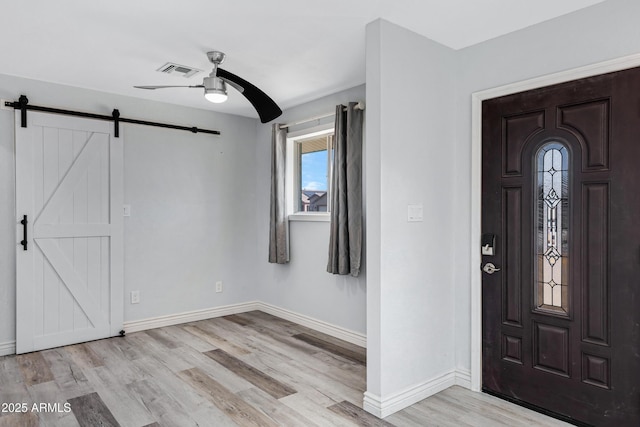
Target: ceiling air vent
(180, 70)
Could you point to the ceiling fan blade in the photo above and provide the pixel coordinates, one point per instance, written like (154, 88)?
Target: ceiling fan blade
(267, 109)
(162, 87)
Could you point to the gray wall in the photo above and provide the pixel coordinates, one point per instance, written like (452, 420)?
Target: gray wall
(303, 286)
(410, 135)
(192, 199)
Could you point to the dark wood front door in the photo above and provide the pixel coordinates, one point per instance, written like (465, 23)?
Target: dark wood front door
(561, 195)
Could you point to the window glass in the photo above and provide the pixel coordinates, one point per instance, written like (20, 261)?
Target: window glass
(313, 173)
(552, 228)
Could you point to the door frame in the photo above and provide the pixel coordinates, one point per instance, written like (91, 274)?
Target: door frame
(475, 258)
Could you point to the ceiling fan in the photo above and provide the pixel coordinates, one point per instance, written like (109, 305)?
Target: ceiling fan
(215, 89)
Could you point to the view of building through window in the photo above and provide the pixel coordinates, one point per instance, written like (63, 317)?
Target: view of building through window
(314, 173)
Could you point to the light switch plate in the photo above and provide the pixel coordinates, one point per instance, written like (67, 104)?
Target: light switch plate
(126, 211)
(135, 297)
(415, 213)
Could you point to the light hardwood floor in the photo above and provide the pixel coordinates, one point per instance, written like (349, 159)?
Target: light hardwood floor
(250, 369)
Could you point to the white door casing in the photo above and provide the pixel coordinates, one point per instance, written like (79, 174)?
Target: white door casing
(69, 184)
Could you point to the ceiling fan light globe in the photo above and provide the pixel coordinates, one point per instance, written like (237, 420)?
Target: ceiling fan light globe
(216, 97)
(215, 90)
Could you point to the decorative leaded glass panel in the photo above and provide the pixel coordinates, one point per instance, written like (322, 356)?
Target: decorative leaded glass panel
(552, 228)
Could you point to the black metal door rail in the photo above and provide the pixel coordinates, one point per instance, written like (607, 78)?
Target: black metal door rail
(23, 105)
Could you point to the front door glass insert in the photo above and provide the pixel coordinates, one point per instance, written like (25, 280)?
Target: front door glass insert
(552, 228)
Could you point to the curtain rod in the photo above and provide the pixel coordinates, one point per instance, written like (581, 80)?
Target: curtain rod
(358, 106)
(23, 105)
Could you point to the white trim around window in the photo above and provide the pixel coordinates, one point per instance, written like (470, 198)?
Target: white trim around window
(291, 173)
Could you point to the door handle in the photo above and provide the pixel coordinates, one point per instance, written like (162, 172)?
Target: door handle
(24, 223)
(489, 268)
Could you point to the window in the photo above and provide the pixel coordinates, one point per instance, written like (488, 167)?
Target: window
(309, 173)
(552, 228)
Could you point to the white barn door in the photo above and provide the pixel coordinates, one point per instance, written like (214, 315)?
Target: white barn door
(70, 277)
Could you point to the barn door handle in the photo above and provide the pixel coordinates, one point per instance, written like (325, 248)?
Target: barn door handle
(24, 223)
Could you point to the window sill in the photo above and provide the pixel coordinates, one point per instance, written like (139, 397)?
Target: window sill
(314, 217)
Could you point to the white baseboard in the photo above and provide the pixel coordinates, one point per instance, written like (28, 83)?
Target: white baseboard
(7, 348)
(384, 407)
(463, 378)
(315, 324)
(189, 316)
(192, 316)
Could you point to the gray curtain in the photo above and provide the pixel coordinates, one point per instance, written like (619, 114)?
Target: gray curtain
(345, 241)
(278, 225)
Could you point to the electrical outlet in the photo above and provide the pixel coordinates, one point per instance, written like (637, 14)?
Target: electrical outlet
(218, 286)
(135, 297)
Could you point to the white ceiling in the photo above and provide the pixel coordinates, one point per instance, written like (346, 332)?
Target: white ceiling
(294, 50)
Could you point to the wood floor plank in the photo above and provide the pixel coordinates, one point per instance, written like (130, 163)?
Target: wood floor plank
(431, 416)
(162, 406)
(13, 387)
(34, 368)
(211, 337)
(357, 415)
(280, 413)
(229, 331)
(199, 408)
(302, 374)
(129, 346)
(337, 341)
(411, 417)
(116, 361)
(24, 419)
(112, 388)
(276, 324)
(497, 410)
(236, 408)
(313, 406)
(54, 398)
(281, 371)
(90, 411)
(67, 373)
(333, 348)
(163, 338)
(84, 356)
(288, 342)
(256, 377)
(228, 379)
(238, 320)
(167, 357)
(188, 339)
(485, 416)
(9, 370)
(347, 372)
(16, 392)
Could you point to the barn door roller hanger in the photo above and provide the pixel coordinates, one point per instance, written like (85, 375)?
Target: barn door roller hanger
(23, 105)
